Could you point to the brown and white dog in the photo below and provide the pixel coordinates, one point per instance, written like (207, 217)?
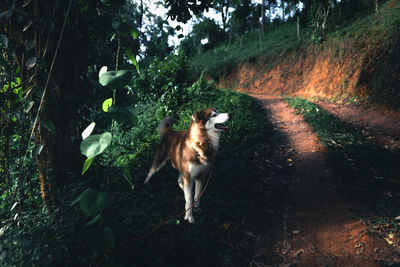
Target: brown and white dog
(191, 152)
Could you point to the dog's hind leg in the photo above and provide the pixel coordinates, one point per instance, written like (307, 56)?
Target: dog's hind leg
(180, 181)
(188, 192)
(159, 160)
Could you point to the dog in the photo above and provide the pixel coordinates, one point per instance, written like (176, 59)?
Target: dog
(191, 152)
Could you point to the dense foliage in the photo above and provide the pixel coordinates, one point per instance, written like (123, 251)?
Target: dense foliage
(78, 232)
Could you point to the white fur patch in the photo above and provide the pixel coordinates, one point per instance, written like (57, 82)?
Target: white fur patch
(214, 133)
(221, 118)
(195, 169)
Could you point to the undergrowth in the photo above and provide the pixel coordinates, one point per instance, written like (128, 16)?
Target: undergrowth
(240, 193)
(370, 171)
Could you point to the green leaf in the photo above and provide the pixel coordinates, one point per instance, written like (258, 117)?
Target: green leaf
(28, 105)
(103, 70)
(106, 104)
(37, 150)
(128, 177)
(93, 202)
(26, 3)
(115, 25)
(134, 33)
(95, 144)
(115, 79)
(132, 57)
(100, 240)
(49, 125)
(123, 115)
(113, 37)
(86, 165)
(31, 62)
(29, 44)
(78, 199)
(88, 130)
(94, 220)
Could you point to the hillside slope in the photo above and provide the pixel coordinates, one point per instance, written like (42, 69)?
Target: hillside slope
(358, 60)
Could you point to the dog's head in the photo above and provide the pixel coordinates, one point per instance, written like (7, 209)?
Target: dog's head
(211, 120)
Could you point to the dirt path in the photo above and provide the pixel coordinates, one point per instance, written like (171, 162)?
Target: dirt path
(318, 228)
(377, 124)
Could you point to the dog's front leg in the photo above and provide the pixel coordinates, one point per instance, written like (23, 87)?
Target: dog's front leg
(198, 188)
(188, 191)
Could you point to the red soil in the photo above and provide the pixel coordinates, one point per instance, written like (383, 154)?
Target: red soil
(318, 228)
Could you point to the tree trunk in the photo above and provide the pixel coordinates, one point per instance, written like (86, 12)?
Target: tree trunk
(262, 15)
(298, 28)
(60, 157)
(325, 18)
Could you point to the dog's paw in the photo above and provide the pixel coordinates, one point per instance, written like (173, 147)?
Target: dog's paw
(189, 218)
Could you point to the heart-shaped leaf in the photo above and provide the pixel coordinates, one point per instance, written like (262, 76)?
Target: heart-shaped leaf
(123, 115)
(93, 202)
(106, 104)
(115, 79)
(28, 105)
(95, 144)
(103, 70)
(31, 62)
(29, 44)
(88, 130)
(49, 125)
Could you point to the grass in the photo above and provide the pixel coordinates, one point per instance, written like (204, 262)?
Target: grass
(251, 47)
(374, 39)
(370, 171)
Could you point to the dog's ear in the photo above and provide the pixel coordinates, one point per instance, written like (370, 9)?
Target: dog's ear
(198, 116)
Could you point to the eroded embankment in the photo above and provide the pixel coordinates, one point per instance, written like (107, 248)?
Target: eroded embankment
(358, 60)
(308, 73)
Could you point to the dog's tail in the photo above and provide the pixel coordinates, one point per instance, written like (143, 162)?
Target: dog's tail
(165, 125)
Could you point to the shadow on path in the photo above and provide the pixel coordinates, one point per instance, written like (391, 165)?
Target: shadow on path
(319, 228)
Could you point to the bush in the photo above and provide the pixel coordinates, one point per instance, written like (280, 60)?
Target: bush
(164, 81)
